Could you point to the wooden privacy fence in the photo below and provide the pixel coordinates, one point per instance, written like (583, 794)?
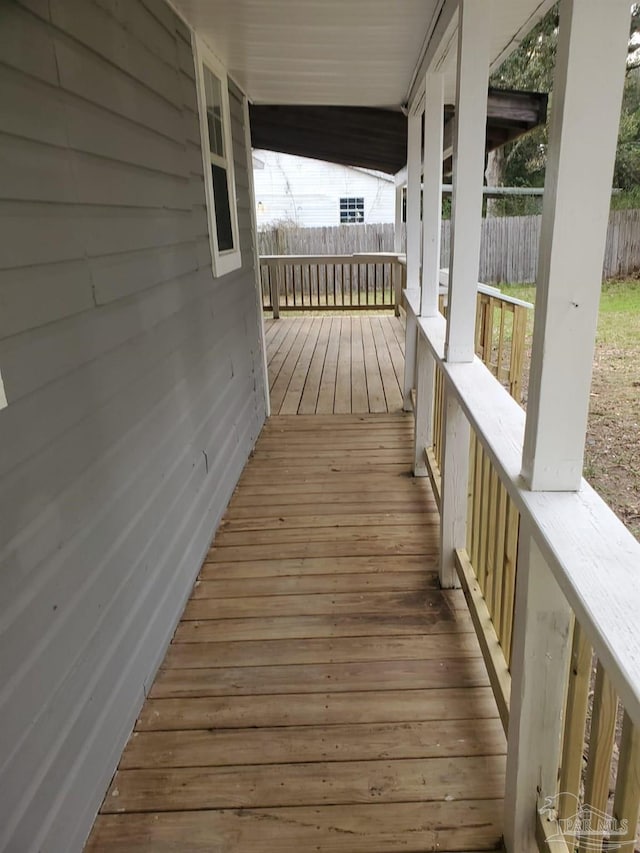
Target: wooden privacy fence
(546, 615)
(509, 244)
(326, 282)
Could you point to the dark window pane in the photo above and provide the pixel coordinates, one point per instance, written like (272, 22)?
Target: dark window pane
(223, 209)
(213, 94)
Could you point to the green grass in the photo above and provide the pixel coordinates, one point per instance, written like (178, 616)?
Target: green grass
(619, 318)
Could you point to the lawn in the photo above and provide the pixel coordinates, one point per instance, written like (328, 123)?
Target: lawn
(612, 457)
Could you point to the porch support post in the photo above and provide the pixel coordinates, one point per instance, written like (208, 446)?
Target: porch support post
(425, 387)
(432, 193)
(454, 488)
(469, 141)
(414, 176)
(413, 248)
(410, 347)
(397, 234)
(256, 261)
(590, 68)
(474, 37)
(539, 665)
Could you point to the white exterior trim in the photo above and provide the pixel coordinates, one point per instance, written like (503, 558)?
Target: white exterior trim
(226, 261)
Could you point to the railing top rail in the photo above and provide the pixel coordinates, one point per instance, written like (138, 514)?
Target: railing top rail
(488, 289)
(353, 258)
(594, 558)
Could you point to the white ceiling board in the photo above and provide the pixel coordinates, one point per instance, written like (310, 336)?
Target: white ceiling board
(338, 52)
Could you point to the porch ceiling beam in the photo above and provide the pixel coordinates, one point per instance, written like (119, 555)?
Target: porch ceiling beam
(506, 111)
(375, 138)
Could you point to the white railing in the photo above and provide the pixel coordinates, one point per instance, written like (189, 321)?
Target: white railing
(552, 580)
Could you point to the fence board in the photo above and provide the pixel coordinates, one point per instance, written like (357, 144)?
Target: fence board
(509, 246)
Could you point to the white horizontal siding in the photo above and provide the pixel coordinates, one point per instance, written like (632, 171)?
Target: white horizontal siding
(307, 192)
(134, 386)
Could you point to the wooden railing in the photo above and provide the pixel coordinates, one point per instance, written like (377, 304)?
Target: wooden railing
(551, 580)
(501, 324)
(330, 282)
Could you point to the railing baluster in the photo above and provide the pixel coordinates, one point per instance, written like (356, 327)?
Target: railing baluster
(626, 805)
(500, 369)
(601, 740)
(517, 351)
(490, 570)
(477, 503)
(498, 555)
(574, 727)
(509, 583)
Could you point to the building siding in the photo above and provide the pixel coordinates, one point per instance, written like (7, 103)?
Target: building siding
(134, 382)
(307, 193)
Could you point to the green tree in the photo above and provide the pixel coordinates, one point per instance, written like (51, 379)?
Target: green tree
(531, 67)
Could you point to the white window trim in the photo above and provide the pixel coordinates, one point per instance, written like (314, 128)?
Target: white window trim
(231, 259)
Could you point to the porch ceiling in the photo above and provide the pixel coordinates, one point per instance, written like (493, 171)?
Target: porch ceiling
(339, 52)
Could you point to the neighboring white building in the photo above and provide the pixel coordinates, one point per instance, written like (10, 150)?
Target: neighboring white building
(313, 192)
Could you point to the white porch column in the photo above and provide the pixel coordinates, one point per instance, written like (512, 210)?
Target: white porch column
(432, 193)
(539, 665)
(397, 233)
(474, 36)
(469, 142)
(588, 85)
(425, 387)
(414, 176)
(414, 233)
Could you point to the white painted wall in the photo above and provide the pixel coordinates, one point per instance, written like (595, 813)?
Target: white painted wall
(308, 192)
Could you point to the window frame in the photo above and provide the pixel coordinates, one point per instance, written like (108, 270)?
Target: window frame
(225, 261)
(352, 204)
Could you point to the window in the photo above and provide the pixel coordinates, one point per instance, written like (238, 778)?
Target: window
(217, 151)
(351, 210)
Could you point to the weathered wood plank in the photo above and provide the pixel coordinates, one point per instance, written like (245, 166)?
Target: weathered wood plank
(298, 381)
(349, 548)
(340, 742)
(375, 389)
(359, 398)
(319, 650)
(319, 709)
(436, 620)
(331, 603)
(309, 399)
(342, 402)
(298, 567)
(390, 382)
(314, 678)
(326, 394)
(376, 828)
(210, 587)
(317, 783)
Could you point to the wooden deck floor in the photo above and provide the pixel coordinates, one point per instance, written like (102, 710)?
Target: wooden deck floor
(337, 364)
(321, 692)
